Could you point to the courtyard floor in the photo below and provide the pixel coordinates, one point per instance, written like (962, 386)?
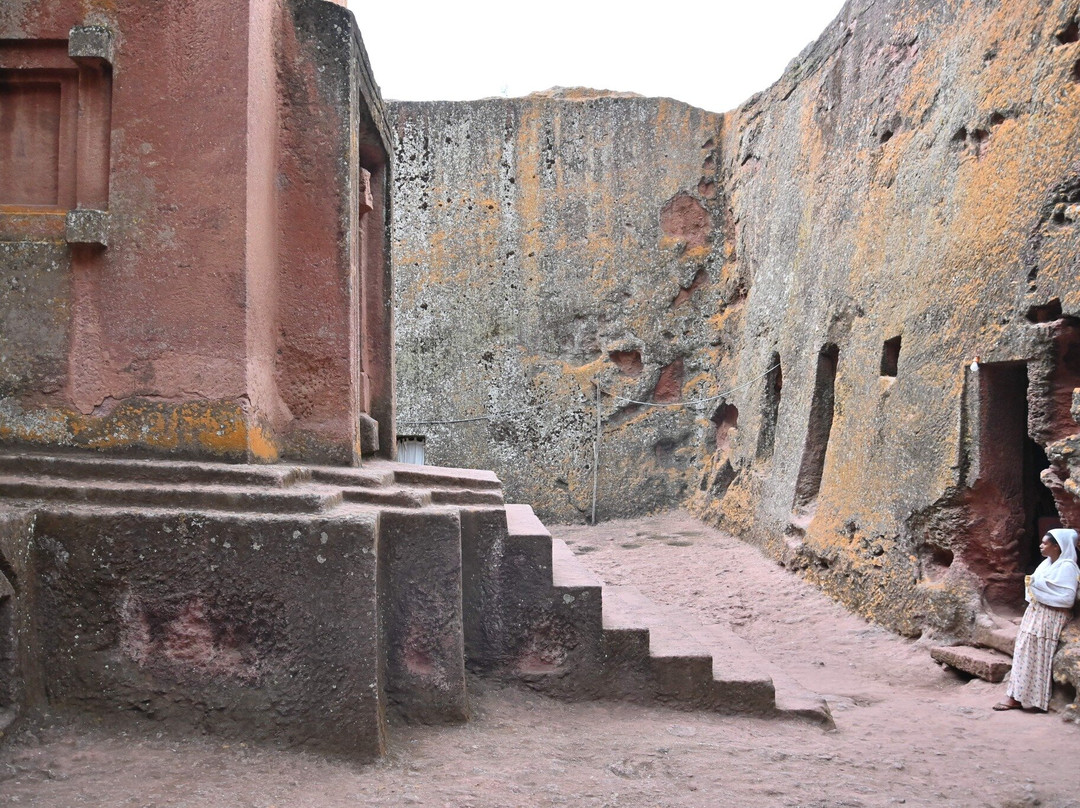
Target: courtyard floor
(907, 731)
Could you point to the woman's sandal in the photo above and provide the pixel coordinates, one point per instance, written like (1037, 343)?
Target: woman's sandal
(1011, 704)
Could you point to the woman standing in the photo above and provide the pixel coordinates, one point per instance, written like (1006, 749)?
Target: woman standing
(1050, 597)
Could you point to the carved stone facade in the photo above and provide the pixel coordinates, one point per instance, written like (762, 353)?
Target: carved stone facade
(193, 274)
(182, 196)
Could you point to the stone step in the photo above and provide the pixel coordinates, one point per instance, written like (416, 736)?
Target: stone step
(437, 476)
(80, 466)
(567, 571)
(341, 511)
(466, 496)
(699, 666)
(556, 627)
(742, 677)
(369, 475)
(377, 483)
(627, 636)
(745, 681)
(981, 662)
(308, 499)
(528, 547)
(390, 496)
(522, 521)
(626, 607)
(679, 666)
(792, 700)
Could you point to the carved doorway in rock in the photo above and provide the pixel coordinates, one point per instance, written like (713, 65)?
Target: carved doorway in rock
(1009, 505)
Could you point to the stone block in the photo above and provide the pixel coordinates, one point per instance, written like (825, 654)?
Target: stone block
(483, 551)
(84, 226)
(420, 603)
(91, 42)
(555, 642)
(258, 627)
(980, 662)
(368, 429)
(998, 637)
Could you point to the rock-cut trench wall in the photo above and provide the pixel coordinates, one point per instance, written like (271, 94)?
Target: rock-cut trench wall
(830, 258)
(904, 201)
(545, 245)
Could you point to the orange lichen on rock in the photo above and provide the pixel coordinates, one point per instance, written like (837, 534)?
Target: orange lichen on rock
(532, 302)
(903, 200)
(217, 429)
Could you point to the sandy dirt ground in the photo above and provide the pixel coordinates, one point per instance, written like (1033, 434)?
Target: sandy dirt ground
(907, 731)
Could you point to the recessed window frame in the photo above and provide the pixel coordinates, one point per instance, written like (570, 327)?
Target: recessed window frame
(890, 357)
(79, 212)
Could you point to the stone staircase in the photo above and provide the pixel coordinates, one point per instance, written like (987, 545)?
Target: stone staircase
(462, 582)
(221, 486)
(624, 646)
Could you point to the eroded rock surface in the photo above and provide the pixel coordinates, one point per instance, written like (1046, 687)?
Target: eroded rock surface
(896, 221)
(902, 202)
(546, 244)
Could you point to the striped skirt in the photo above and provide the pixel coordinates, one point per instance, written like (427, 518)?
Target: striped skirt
(1036, 642)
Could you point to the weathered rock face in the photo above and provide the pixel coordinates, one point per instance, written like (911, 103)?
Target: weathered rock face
(901, 201)
(836, 252)
(543, 245)
(184, 619)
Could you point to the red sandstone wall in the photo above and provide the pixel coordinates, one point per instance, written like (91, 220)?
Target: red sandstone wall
(218, 320)
(156, 335)
(176, 202)
(327, 212)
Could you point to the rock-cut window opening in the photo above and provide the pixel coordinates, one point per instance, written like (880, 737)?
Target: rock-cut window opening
(410, 449)
(890, 356)
(770, 408)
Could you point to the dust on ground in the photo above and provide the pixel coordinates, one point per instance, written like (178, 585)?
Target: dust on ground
(907, 731)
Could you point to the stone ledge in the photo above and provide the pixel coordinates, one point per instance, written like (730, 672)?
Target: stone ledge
(84, 226)
(91, 43)
(980, 662)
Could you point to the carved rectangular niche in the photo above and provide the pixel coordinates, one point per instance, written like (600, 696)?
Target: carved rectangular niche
(55, 98)
(32, 141)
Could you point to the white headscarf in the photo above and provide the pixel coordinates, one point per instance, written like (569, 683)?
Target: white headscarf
(1054, 584)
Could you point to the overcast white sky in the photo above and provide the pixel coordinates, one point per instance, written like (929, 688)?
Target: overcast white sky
(714, 54)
